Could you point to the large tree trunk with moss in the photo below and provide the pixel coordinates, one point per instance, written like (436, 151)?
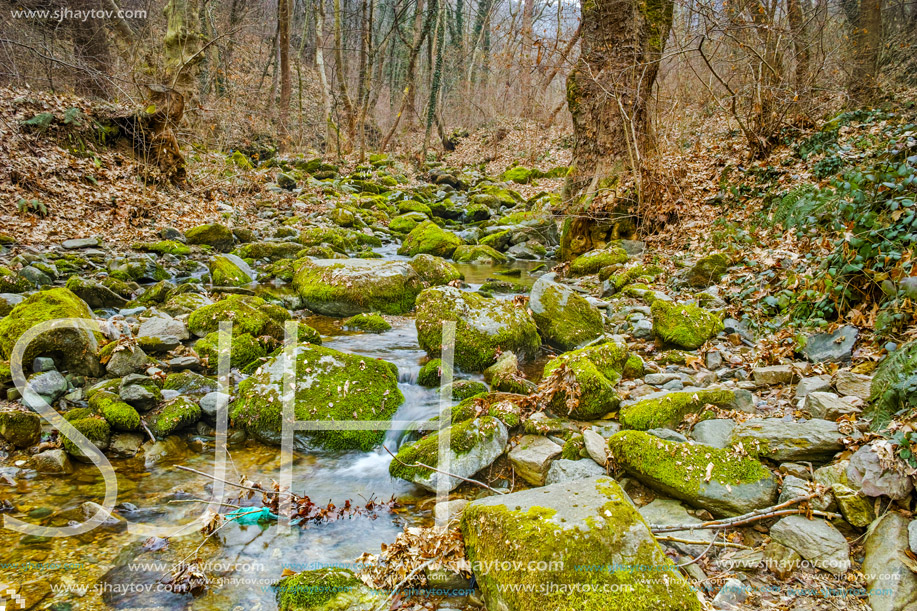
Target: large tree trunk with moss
(182, 45)
(607, 93)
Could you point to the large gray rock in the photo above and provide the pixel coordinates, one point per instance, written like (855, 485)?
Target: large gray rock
(48, 386)
(563, 470)
(532, 457)
(837, 346)
(828, 406)
(715, 432)
(162, 326)
(52, 461)
(815, 540)
(783, 440)
(596, 446)
(590, 524)
(794, 487)
(564, 318)
(482, 440)
(125, 360)
(346, 287)
(866, 472)
(891, 583)
(849, 384)
(812, 384)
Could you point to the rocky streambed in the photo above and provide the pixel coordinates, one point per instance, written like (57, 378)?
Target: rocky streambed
(597, 402)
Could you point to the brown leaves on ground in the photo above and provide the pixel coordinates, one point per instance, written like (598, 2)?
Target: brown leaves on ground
(413, 549)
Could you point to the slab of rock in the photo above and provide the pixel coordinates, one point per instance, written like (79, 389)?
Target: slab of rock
(77, 243)
(856, 508)
(828, 406)
(891, 583)
(596, 446)
(782, 440)
(532, 457)
(52, 461)
(714, 432)
(705, 477)
(125, 360)
(833, 347)
(778, 374)
(810, 385)
(593, 526)
(163, 327)
(46, 387)
(866, 473)
(849, 384)
(563, 471)
(666, 512)
(815, 540)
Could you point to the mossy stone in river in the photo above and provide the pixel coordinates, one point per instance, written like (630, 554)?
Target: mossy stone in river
(119, 415)
(190, 383)
(499, 241)
(593, 550)
(596, 371)
(430, 373)
(594, 260)
(244, 349)
(229, 270)
(94, 428)
(735, 484)
(248, 314)
(215, 235)
(327, 589)
(346, 287)
(464, 389)
(484, 327)
(342, 240)
(405, 223)
(670, 410)
(272, 251)
(11, 282)
(478, 253)
(20, 427)
(174, 416)
(330, 385)
(564, 318)
(75, 349)
(94, 294)
(370, 323)
(435, 271)
(429, 238)
(684, 325)
(163, 247)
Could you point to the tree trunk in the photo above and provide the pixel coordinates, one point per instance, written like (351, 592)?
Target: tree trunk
(526, 65)
(286, 86)
(331, 137)
(182, 44)
(800, 45)
(607, 94)
(863, 87)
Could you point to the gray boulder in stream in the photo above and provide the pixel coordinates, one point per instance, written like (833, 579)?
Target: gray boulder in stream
(330, 385)
(564, 318)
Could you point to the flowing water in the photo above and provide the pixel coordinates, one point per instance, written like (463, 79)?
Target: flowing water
(115, 571)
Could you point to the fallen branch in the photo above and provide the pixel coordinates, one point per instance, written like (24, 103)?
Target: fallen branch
(464, 479)
(213, 477)
(695, 542)
(754, 516)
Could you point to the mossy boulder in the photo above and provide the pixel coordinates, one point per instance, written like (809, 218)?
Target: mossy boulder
(894, 384)
(684, 325)
(139, 268)
(341, 240)
(94, 428)
(520, 175)
(327, 589)
(708, 270)
(179, 304)
(484, 327)
(11, 282)
(431, 373)
(94, 294)
(406, 223)
(709, 478)
(346, 287)
(330, 385)
(272, 251)
(505, 407)
(669, 410)
(20, 427)
(460, 390)
(504, 375)
(435, 271)
(594, 554)
(163, 247)
(596, 371)
(499, 241)
(158, 293)
(564, 318)
(478, 253)
(370, 323)
(473, 445)
(230, 270)
(248, 314)
(174, 416)
(217, 236)
(75, 349)
(245, 349)
(594, 260)
(119, 415)
(189, 383)
(429, 238)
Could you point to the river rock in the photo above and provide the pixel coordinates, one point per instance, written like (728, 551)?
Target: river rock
(481, 441)
(215, 235)
(734, 486)
(230, 270)
(666, 512)
(346, 287)
(484, 327)
(596, 370)
(20, 427)
(812, 384)
(94, 294)
(52, 461)
(815, 540)
(110, 521)
(856, 508)
(684, 325)
(777, 374)
(211, 401)
(600, 529)
(782, 440)
(429, 238)
(867, 473)
(77, 243)
(794, 487)
(891, 583)
(327, 589)
(596, 447)
(163, 328)
(125, 445)
(75, 348)
(828, 405)
(849, 384)
(563, 471)
(330, 385)
(125, 360)
(532, 456)
(714, 432)
(46, 387)
(708, 270)
(835, 347)
(564, 318)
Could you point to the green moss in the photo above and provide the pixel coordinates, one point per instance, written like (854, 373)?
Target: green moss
(565, 319)
(463, 437)
(342, 240)
(670, 410)
(174, 416)
(495, 405)
(520, 175)
(20, 427)
(331, 385)
(478, 253)
(158, 293)
(435, 271)
(574, 448)
(344, 289)
(685, 325)
(596, 370)
(682, 467)
(314, 590)
(215, 235)
(163, 247)
(11, 282)
(593, 261)
(498, 241)
(406, 223)
(430, 373)
(94, 428)
(463, 389)
(244, 312)
(429, 238)
(634, 367)
(282, 270)
(272, 251)
(637, 273)
(708, 270)
(509, 539)
(223, 272)
(244, 349)
(188, 382)
(119, 415)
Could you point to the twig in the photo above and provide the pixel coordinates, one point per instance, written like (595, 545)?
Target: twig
(203, 501)
(472, 481)
(404, 581)
(702, 554)
(693, 542)
(148, 431)
(754, 516)
(261, 490)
